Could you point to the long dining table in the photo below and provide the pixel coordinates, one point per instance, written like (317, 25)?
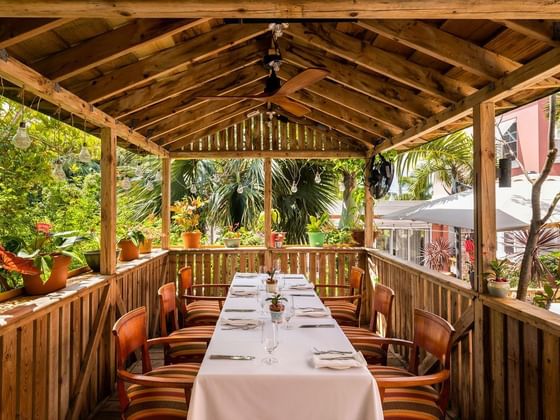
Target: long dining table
(291, 389)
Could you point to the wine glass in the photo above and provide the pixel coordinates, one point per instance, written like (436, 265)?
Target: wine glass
(289, 312)
(270, 344)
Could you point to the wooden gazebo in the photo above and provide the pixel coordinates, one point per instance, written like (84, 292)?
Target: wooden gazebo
(400, 74)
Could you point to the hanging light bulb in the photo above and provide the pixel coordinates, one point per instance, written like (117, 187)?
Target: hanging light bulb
(21, 139)
(240, 189)
(84, 156)
(294, 188)
(149, 185)
(157, 177)
(193, 189)
(58, 171)
(341, 186)
(215, 178)
(125, 183)
(317, 178)
(138, 171)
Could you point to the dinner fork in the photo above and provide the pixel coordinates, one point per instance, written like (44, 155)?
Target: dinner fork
(317, 351)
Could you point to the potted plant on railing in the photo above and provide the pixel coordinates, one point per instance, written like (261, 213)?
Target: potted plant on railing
(129, 245)
(277, 237)
(151, 229)
(187, 216)
(51, 254)
(10, 266)
(340, 238)
(276, 307)
(232, 237)
(271, 282)
(316, 229)
(93, 253)
(498, 283)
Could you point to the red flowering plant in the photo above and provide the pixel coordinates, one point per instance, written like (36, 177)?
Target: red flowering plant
(38, 252)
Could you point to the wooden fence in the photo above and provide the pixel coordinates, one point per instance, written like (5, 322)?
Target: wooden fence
(57, 351)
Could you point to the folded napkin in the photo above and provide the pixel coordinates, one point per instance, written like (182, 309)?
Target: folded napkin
(303, 286)
(236, 322)
(314, 313)
(338, 361)
(242, 292)
(246, 275)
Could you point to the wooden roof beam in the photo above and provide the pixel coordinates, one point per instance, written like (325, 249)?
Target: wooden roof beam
(109, 46)
(546, 31)
(533, 72)
(196, 75)
(14, 30)
(21, 75)
(380, 61)
(352, 9)
(273, 154)
(167, 61)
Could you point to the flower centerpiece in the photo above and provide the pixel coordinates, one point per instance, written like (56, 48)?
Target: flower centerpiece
(498, 283)
(50, 254)
(232, 237)
(187, 216)
(276, 307)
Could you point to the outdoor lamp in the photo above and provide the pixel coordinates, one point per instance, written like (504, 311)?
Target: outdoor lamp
(125, 183)
(58, 171)
(21, 139)
(84, 156)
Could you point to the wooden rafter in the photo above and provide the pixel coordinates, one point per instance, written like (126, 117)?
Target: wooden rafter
(540, 30)
(110, 46)
(427, 9)
(166, 61)
(275, 154)
(14, 31)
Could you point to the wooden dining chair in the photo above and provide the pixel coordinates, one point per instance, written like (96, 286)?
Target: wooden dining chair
(404, 393)
(169, 326)
(345, 309)
(199, 306)
(381, 306)
(162, 392)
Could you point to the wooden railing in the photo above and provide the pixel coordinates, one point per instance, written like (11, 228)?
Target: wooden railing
(506, 358)
(57, 351)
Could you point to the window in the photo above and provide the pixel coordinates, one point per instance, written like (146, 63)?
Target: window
(506, 140)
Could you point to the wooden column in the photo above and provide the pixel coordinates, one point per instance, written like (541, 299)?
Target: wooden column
(267, 209)
(165, 201)
(108, 201)
(484, 190)
(368, 212)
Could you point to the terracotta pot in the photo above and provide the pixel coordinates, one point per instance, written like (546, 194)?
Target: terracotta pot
(277, 239)
(359, 236)
(129, 251)
(191, 239)
(34, 285)
(145, 246)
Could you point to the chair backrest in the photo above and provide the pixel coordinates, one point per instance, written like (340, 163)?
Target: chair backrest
(356, 278)
(168, 314)
(130, 334)
(185, 280)
(382, 304)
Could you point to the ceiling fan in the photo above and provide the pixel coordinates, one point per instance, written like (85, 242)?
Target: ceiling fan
(275, 92)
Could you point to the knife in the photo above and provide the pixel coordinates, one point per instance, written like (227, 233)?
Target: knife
(230, 357)
(317, 326)
(244, 285)
(239, 310)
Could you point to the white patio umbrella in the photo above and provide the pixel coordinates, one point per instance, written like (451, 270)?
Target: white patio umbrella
(513, 207)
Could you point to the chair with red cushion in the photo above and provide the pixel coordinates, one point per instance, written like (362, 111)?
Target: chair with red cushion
(346, 308)
(202, 302)
(161, 393)
(381, 306)
(169, 326)
(404, 393)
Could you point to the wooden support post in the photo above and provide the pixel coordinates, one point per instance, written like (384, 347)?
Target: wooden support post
(165, 201)
(484, 190)
(108, 201)
(368, 212)
(267, 209)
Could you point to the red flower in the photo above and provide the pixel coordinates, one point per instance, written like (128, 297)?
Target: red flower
(43, 228)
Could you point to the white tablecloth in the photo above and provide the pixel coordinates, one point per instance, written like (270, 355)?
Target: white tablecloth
(291, 389)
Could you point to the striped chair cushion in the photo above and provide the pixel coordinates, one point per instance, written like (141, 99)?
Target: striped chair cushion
(192, 350)
(351, 331)
(407, 403)
(161, 402)
(202, 313)
(343, 312)
(373, 353)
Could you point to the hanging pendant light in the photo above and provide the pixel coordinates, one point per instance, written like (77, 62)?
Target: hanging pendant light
(58, 170)
(84, 156)
(21, 139)
(157, 177)
(125, 183)
(139, 171)
(294, 188)
(149, 185)
(317, 178)
(240, 189)
(193, 189)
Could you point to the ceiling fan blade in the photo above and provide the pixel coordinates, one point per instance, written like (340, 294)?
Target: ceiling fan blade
(301, 80)
(290, 106)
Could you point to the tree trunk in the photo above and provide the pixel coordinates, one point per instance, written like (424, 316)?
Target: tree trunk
(525, 270)
(349, 210)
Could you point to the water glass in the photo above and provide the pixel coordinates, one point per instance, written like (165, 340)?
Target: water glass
(270, 343)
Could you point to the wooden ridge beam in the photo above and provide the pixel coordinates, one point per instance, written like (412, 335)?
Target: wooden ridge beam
(178, 110)
(540, 30)
(167, 61)
(324, 9)
(196, 75)
(274, 154)
(390, 65)
(109, 46)
(21, 75)
(533, 72)
(15, 30)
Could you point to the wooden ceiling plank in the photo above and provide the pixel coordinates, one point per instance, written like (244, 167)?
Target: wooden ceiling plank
(533, 72)
(16, 30)
(198, 74)
(109, 46)
(167, 61)
(380, 61)
(273, 154)
(21, 75)
(540, 30)
(324, 9)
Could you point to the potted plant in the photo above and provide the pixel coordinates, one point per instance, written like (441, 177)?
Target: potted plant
(498, 284)
(51, 255)
(129, 245)
(276, 307)
(232, 237)
(316, 229)
(93, 254)
(340, 238)
(151, 229)
(10, 266)
(187, 216)
(271, 282)
(276, 236)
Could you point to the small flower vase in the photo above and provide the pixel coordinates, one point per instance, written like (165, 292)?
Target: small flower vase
(271, 286)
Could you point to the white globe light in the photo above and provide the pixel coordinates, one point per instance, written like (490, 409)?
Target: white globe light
(294, 188)
(58, 171)
(84, 156)
(240, 189)
(193, 189)
(125, 183)
(149, 185)
(157, 178)
(139, 171)
(21, 139)
(317, 178)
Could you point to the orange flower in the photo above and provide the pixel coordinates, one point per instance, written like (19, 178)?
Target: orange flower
(42, 227)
